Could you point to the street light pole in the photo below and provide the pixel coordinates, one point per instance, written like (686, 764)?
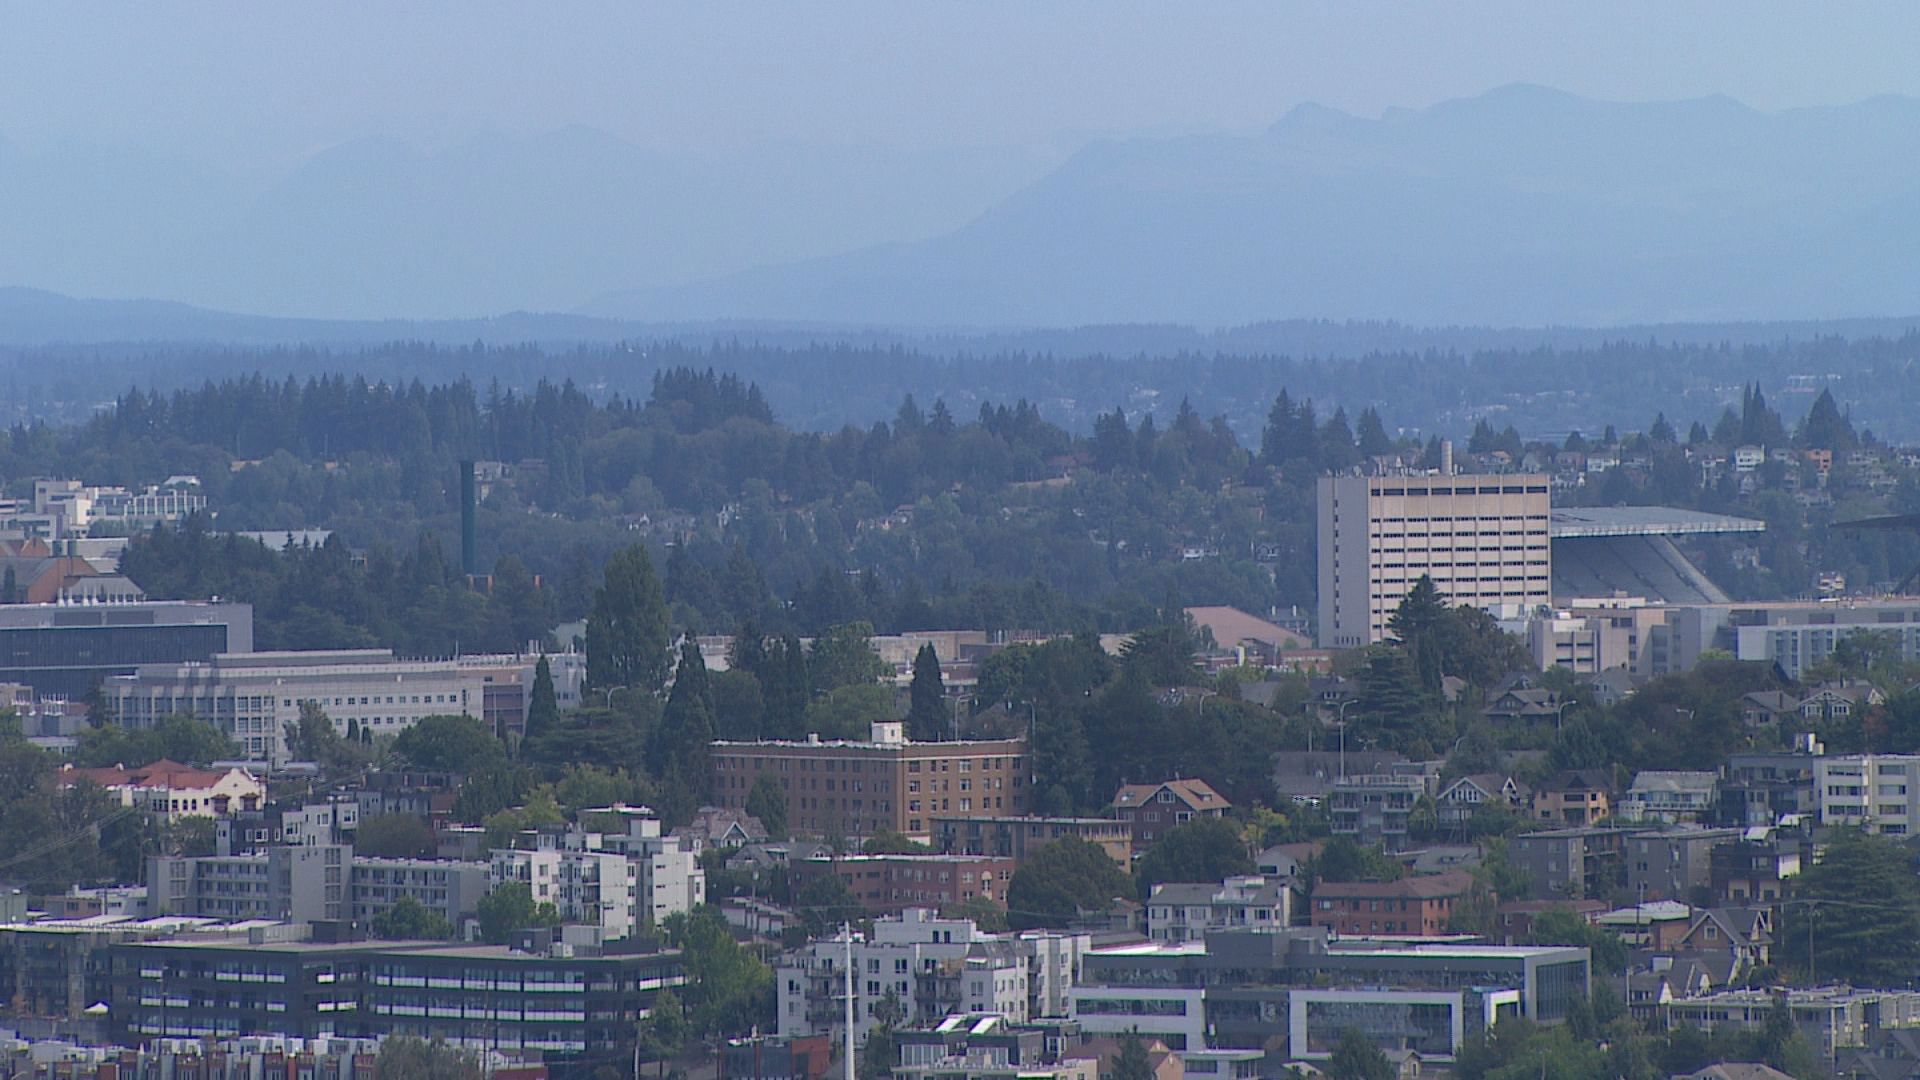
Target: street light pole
(1343, 736)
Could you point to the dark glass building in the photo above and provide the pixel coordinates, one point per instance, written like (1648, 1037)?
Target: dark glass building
(64, 650)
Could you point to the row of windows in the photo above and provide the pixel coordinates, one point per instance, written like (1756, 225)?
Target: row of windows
(1458, 490)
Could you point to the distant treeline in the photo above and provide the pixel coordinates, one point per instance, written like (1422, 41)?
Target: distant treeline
(1543, 383)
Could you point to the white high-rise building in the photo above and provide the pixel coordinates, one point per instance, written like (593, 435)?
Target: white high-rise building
(1483, 540)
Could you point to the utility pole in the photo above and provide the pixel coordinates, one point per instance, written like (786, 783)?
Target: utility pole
(846, 930)
(1811, 981)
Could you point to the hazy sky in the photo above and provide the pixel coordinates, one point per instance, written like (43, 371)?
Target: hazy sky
(711, 76)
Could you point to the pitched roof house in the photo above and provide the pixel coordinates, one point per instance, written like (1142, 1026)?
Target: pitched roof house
(172, 790)
(1455, 804)
(1156, 809)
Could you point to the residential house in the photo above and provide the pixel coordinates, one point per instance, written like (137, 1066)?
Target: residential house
(1763, 707)
(1754, 869)
(1840, 700)
(1574, 797)
(724, 827)
(1525, 706)
(1744, 934)
(1282, 861)
(1456, 803)
(1309, 775)
(1153, 810)
(1737, 1070)
(1655, 925)
(171, 791)
(1611, 687)
(1673, 796)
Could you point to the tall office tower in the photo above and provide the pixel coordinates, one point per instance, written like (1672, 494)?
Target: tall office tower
(1483, 540)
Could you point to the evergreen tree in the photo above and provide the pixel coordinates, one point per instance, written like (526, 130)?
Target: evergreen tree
(748, 651)
(686, 734)
(1662, 431)
(1132, 1063)
(1062, 775)
(1337, 449)
(1759, 424)
(927, 718)
(543, 708)
(767, 800)
(843, 656)
(1113, 445)
(1061, 879)
(1204, 849)
(1355, 1057)
(1372, 434)
(786, 689)
(1391, 697)
(1863, 903)
(627, 630)
(1825, 428)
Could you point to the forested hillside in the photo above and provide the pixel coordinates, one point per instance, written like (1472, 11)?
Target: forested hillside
(997, 519)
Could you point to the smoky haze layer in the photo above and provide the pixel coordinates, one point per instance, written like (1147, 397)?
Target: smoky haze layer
(1520, 207)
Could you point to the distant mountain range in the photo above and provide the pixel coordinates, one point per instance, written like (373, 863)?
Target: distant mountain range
(1521, 207)
(382, 228)
(1524, 206)
(35, 319)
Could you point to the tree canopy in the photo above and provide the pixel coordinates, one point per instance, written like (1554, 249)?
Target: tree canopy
(1060, 880)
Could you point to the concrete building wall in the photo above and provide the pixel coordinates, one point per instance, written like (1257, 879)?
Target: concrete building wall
(1483, 540)
(255, 696)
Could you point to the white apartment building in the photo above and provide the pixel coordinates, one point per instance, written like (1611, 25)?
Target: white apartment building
(1185, 912)
(1483, 539)
(255, 696)
(622, 882)
(936, 967)
(1876, 792)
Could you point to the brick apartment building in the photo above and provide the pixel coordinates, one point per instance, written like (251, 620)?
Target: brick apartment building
(890, 884)
(850, 788)
(1411, 906)
(1017, 838)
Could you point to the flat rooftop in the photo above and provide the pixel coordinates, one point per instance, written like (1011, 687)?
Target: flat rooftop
(1573, 522)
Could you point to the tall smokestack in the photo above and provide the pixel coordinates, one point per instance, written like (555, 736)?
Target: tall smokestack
(1446, 457)
(469, 561)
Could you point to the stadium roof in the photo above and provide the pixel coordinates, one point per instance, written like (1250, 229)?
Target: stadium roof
(1572, 522)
